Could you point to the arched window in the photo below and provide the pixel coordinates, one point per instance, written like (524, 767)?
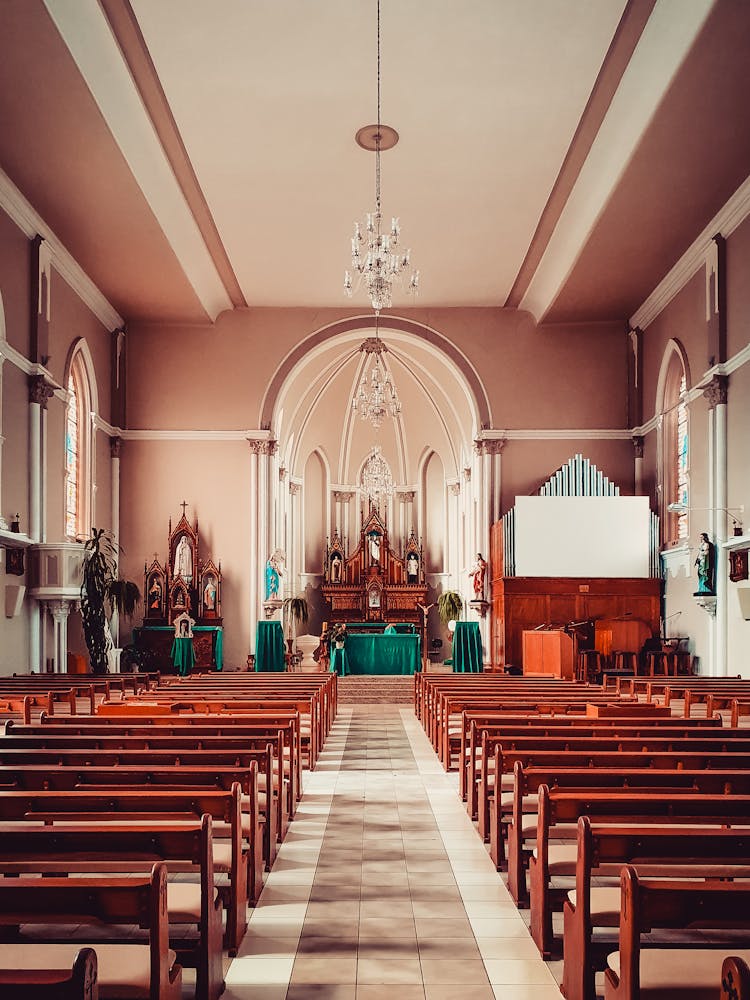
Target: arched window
(675, 464)
(78, 444)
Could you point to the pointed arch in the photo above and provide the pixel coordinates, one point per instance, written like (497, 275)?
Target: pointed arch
(674, 443)
(79, 450)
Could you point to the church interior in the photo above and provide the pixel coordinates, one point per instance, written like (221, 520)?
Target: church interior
(471, 438)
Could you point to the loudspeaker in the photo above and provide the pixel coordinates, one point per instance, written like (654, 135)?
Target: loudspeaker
(743, 593)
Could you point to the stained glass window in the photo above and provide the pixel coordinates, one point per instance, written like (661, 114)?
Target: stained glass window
(682, 460)
(676, 453)
(72, 459)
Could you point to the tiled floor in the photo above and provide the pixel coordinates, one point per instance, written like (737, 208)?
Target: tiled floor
(382, 888)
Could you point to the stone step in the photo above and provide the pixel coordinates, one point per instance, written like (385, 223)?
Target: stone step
(383, 689)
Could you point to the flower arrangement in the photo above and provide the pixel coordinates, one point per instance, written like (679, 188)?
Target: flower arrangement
(337, 633)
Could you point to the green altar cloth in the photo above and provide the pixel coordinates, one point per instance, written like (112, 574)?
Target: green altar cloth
(467, 649)
(217, 640)
(377, 653)
(183, 656)
(269, 647)
(339, 662)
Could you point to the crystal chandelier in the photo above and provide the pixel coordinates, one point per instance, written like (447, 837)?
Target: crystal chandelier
(376, 397)
(377, 480)
(377, 261)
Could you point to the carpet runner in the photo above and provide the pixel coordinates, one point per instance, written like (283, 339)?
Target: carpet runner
(376, 689)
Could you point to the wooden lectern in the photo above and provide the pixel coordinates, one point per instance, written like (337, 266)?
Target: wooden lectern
(548, 651)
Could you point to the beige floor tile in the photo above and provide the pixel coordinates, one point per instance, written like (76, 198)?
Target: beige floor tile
(321, 991)
(518, 972)
(508, 947)
(505, 992)
(260, 971)
(388, 948)
(377, 928)
(428, 927)
(453, 971)
(396, 909)
(490, 909)
(322, 969)
(504, 927)
(405, 992)
(383, 971)
(463, 948)
(442, 992)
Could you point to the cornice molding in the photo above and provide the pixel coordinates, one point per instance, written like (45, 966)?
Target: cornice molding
(729, 217)
(31, 224)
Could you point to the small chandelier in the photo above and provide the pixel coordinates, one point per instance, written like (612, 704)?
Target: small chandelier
(377, 260)
(377, 480)
(376, 397)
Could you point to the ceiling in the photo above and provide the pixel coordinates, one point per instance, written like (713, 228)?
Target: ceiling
(555, 155)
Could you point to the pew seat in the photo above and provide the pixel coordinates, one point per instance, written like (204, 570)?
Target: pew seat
(76, 981)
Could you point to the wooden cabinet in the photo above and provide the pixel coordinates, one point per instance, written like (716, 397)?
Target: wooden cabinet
(548, 652)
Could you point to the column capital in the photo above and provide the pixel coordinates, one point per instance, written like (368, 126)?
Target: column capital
(39, 390)
(638, 446)
(115, 447)
(343, 496)
(295, 489)
(490, 446)
(407, 496)
(455, 489)
(716, 391)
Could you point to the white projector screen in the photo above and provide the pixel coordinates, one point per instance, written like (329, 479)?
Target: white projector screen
(582, 536)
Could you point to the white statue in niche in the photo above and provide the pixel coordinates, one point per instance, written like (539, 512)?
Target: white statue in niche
(374, 548)
(183, 559)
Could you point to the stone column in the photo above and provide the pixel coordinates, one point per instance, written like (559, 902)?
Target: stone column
(716, 395)
(294, 557)
(453, 534)
(638, 465)
(60, 611)
(406, 514)
(115, 449)
(343, 499)
(39, 394)
(257, 568)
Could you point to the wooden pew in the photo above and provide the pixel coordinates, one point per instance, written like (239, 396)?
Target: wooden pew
(612, 806)
(484, 736)
(266, 804)
(635, 971)
(128, 848)
(231, 854)
(147, 971)
(677, 852)
(71, 982)
(195, 727)
(258, 827)
(590, 760)
(534, 826)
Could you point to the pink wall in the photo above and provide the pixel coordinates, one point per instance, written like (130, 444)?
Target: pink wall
(14, 283)
(738, 284)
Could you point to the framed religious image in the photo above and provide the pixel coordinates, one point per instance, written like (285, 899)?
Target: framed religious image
(14, 562)
(155, 591)
(183, 626)
(738, 565)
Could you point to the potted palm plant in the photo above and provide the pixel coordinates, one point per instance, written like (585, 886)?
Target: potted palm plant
(450, 605)
(101, 594)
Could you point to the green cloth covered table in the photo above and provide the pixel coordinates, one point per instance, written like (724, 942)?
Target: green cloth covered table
(378, 653)
(217, 639)
(467, 649)
(269, 647)
(183, 655)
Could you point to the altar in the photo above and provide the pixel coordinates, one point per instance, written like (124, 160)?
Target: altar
(380, 595)
(369, 650)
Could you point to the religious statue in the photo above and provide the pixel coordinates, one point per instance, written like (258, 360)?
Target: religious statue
(154, 595)
(183, 559)
(705, 565)
(412, 568)
(274, 572)
(209, 594)
(336, 568)
(374, 548)
(477, 575)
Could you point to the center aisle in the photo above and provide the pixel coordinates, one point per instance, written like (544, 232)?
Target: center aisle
(382, 882)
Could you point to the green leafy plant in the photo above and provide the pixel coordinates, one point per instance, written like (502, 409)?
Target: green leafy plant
(450, 605)
(101, 593)
(295, 612)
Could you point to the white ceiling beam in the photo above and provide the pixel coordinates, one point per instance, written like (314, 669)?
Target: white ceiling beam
(87, 34)
(668, 36)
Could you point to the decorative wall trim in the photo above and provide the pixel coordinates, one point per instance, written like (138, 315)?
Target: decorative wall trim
(582, 434)
(196, 435)
(31, 224)
(693, 260)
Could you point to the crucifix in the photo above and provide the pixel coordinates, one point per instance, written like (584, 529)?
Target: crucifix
(183, 505)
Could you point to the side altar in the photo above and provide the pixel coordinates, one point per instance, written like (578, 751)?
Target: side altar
(185, 583)
(374, 590)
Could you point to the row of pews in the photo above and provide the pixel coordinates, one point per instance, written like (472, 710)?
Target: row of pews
(147, 822)
(616, 818)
